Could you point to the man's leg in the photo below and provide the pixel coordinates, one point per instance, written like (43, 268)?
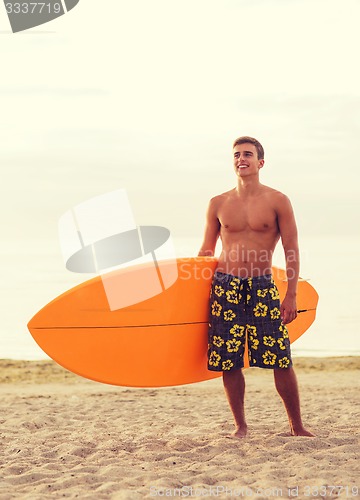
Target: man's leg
(287, 387)
(234, 384)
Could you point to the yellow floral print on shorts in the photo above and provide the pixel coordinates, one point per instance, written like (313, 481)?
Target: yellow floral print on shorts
(245, 312)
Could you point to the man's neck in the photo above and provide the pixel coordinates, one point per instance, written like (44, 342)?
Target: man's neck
(248, 186)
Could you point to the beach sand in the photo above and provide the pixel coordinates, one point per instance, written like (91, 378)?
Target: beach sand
(66, 437)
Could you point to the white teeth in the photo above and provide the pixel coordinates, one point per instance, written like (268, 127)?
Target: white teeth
(243, 166)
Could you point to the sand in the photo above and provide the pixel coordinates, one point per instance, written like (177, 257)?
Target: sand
(66, 437)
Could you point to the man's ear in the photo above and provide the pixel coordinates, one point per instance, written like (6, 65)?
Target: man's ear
(261, 163)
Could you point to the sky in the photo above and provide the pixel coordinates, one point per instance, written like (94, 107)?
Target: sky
(149, 96)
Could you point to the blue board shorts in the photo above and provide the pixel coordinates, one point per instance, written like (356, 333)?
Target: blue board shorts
(246, 311)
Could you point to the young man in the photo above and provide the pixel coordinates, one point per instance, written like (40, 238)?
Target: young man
(244, 302)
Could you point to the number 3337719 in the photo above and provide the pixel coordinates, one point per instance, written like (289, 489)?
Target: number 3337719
(33, 8)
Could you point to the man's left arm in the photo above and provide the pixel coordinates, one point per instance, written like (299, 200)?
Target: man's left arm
(289, 239)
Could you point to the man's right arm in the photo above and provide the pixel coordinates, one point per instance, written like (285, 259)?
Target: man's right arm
(212, 230)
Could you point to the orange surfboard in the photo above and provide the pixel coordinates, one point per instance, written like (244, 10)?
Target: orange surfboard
(161, 341)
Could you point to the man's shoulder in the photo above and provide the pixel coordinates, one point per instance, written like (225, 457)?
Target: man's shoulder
(220, 198)
(275, 194)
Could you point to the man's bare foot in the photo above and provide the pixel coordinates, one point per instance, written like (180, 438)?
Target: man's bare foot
(238, 434)
(301, 432)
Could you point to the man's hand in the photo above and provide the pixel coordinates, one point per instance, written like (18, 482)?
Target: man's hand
(288, 309)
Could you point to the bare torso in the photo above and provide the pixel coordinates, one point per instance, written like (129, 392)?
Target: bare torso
(249, 230)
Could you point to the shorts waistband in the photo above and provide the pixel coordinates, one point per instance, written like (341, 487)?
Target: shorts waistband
(229, 277)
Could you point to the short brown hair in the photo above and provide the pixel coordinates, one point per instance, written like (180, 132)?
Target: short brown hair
(251, 140)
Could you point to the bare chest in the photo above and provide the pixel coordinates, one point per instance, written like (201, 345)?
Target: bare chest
(255, 215)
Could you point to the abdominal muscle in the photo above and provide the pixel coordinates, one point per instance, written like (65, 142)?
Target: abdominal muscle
(253, 258)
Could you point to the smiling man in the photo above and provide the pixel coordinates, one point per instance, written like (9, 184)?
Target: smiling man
(245, 310)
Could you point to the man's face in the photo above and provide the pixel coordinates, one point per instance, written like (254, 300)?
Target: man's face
(246, 160)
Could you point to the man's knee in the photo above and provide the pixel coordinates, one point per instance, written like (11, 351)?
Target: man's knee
(235, 374)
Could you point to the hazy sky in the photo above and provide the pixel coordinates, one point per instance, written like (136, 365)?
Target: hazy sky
(149, 95)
